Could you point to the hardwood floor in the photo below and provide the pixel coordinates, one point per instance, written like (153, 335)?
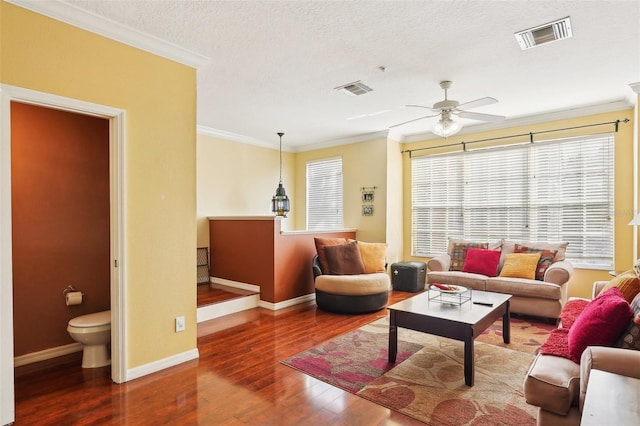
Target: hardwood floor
(237, 380)
(208, 294)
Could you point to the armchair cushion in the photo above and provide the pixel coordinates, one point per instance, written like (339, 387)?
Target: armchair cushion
(600, 323)
(321, 243)
(630, 337)
(373, 256)
(344, 259)
(628, 283)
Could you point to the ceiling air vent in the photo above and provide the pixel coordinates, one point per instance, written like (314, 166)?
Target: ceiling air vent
(355, 89)
(546, 33)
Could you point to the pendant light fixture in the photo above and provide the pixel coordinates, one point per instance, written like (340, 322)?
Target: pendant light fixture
(280, 201)
(446, 127)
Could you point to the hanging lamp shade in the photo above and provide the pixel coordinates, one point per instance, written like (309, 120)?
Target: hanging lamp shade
(446, 127)
(280, 201)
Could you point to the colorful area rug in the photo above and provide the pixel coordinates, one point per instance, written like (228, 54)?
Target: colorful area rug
(427, 381)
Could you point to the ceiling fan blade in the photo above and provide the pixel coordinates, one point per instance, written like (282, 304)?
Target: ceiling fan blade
(479, 116)
(411, 121)
(477, 103)
(417, 106)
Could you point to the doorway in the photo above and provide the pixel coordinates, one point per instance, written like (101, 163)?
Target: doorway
(115, 118)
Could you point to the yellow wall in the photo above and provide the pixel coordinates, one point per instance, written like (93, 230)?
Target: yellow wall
(582, 280)
(237, 179)
(364, 164)
(158, 96)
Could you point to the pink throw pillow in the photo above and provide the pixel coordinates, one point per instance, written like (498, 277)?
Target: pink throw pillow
(600, 323)
(482, 261)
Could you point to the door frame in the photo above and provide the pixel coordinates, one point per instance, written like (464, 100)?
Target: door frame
(116, 119)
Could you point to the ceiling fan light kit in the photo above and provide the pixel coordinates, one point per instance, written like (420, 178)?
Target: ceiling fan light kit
(446, 127)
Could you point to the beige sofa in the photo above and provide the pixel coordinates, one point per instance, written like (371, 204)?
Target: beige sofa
(530, 297)
(557, 386)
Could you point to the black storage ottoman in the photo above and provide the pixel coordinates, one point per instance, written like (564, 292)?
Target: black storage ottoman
(408, 276)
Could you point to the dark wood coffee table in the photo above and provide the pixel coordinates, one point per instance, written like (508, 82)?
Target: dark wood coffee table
(463, 322)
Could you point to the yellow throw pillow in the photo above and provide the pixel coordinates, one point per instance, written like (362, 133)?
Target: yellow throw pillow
(520, 265)
(628, 283)
(373, 256)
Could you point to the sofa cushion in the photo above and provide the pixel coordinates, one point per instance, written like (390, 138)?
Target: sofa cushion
(600, 323)
(552, 383)
(524, 287)
(321, 243)
(354, 285)
(628, 283)
(465, 279)
(482, 261)
(546, 258)
(344, 259)
(459, 253)
(520, 265)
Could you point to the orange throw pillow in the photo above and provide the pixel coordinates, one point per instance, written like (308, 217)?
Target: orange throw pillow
(628, 283)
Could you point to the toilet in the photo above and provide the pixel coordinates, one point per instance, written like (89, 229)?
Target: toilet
(94, 332)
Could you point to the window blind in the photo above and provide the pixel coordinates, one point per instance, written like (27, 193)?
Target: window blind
(559, 190)
(324, 194)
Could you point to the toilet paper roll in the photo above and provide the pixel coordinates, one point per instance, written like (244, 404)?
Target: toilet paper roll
(74, 298)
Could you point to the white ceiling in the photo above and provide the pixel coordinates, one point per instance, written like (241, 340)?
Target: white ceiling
(273, 65)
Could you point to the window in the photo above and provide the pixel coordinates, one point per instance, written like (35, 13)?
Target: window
(324, 194)
(559, 190)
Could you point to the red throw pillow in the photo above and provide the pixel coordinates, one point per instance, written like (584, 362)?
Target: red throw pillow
(344, 259)
(600, 323)
(482, 261)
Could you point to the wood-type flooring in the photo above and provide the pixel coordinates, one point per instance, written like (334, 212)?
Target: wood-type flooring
(237, 380)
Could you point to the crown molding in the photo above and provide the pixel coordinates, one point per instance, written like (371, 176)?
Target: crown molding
(365, 137)
(235, 137)
(222, 134)
(606, 107)
(77, 17)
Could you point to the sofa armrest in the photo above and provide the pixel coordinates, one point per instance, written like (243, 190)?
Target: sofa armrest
(613, 360)
(439, 263)
(559, 272)
(597, 288)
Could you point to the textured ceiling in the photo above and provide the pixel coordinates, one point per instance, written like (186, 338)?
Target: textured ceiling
(273, 65)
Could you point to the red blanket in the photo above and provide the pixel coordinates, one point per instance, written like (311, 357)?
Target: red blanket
(558, 341)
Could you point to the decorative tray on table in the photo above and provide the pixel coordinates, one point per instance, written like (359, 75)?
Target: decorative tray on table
(449, 294)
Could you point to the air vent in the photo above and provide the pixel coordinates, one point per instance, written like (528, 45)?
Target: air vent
(355, 89)
(542, 34)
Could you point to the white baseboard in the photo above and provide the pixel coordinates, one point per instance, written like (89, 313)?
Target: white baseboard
(217, 310)
(287, 303)
(46, 354)
(153, 367)
(235, 284)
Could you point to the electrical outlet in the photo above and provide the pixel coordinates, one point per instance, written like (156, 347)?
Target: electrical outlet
(179, 324)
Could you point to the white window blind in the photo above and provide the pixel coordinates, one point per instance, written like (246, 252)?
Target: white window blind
(324, 194)
(559, 190)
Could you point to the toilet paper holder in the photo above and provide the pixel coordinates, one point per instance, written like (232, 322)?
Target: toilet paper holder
(69, 289)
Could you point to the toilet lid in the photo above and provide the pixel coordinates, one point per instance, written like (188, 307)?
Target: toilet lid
(92, 320)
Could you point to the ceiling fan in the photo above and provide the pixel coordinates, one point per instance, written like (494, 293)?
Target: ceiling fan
(446, 126)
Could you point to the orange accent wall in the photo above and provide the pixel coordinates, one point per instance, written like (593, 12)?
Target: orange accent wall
(60, 221)
(255, 251)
